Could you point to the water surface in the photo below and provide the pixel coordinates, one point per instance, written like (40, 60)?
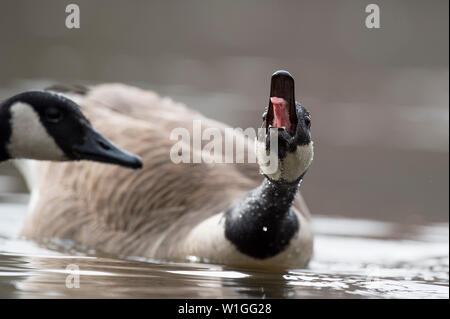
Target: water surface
(354, 258)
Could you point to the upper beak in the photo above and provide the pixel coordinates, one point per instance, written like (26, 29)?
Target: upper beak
(282, 86)
(98, 148)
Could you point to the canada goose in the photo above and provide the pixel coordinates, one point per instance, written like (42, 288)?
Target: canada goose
(46, 126)
(219, 213)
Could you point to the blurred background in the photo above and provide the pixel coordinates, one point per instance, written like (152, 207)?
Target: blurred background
(379, 98)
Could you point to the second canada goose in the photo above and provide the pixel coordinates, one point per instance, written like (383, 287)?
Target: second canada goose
(46, 126)
(219, 213)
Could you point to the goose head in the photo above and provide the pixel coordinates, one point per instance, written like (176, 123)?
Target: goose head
(286, 150)
(47, 126)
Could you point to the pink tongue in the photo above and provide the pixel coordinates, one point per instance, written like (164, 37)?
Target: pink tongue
(280, 112)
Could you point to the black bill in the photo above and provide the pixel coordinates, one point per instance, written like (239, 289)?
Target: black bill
(98, 148)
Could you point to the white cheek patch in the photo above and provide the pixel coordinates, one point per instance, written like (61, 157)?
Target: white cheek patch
(29, 139)
(265, 161)
(292, 166)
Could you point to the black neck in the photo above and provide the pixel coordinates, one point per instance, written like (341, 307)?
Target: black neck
(5, 132)
(262, 224)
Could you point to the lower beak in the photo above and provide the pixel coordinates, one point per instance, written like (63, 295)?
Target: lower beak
(98, 148)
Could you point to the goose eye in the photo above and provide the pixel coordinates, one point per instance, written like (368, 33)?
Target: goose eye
(308, 121)
(53, 115)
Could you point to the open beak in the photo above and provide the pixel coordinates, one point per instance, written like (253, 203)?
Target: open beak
(96, 147)
(281, 112)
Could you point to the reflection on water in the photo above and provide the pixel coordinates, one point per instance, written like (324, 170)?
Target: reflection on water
(381, 136)
(368, 260)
